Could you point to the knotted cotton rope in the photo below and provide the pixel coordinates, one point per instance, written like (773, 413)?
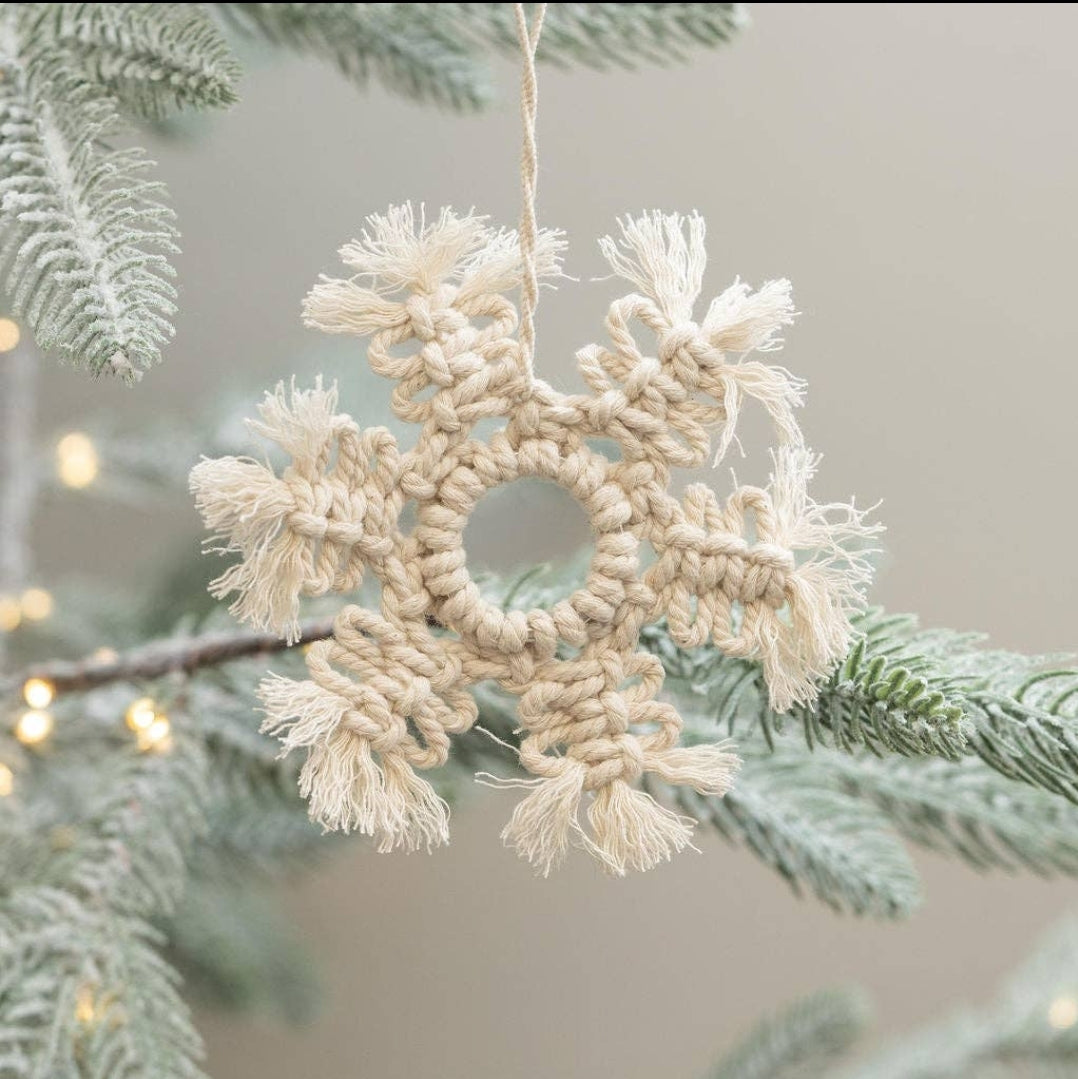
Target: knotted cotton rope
(768, 575)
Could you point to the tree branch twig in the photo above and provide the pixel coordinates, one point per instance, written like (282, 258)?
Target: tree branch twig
(161, 657)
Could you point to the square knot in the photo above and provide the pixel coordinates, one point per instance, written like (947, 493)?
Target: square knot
(341, 516)
(685, 350)
(609, 758)
(409, 668)
(312, 502)
(432, 316)
(766, 575)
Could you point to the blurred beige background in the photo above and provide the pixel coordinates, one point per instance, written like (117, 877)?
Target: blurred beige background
(912, 168)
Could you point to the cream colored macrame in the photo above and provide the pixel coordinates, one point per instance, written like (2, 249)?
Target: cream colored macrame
(768, 575)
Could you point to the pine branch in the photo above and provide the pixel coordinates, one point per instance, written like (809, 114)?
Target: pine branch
(886, 695)
(116, 838)
(816, 838)
(82, 992)
(85, 235)
(908, 691)
(416, 50)
(613, 35)
(967, 810)
(801, 1040)
(97, 844)
(167, 656)
(434, 52)
(153, 58)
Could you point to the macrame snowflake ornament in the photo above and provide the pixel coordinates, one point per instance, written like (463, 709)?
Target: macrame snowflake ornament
(766, 575)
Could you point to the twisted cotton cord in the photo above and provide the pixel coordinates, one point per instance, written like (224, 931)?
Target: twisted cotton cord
(529, 160)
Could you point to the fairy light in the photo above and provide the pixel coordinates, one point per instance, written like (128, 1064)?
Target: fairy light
(85, 1005)
(7, 781)
(105, 656)
(77, 463)
(141, 714)
(36, 604)
(33, 727)
(9, 334)
(38, 692)
(157, 737)
(1063, 1013)
(10, 614)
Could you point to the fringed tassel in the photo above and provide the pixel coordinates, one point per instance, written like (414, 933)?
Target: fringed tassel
(347, 789)
(630, 829)
(247, 507)
(633, 831)
(708, 769)
(740, 320)
(544, 822)
(344, 787)
(401, 251)
(655, 254)
(416, 817)
(497, 266)
(268, 583)
(302, 422)
(342, 306)
(803, 645)
(300, 714)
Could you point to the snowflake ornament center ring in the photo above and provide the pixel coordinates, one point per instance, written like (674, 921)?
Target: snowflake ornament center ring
(768, 574)
(478, 469)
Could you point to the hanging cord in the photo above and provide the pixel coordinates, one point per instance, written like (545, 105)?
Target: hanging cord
(529, 102)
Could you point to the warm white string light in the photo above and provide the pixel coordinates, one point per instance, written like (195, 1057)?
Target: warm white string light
(86, 1005)
(9, 335)
(141, 714)
(38, 692)
(157, 737)
(153, 731)
(33, 726)
(10, 614)
(1063, 1012)
(77, 462)
(37, 604)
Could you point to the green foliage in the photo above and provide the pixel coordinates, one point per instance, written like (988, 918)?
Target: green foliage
(801, 1040)
(84, 236)
(903, 690)
(94, 845)
(416, 50)
(435, 53)
(613, 35)
(968, 811)
(814, 836)
(84, 992)
(152, 57)
(887, 695)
